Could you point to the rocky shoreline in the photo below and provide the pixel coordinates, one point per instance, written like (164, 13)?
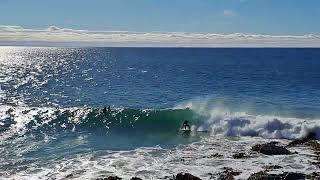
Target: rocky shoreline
(268, 149)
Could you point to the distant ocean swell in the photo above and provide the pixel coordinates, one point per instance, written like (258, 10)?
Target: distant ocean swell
(136, 122)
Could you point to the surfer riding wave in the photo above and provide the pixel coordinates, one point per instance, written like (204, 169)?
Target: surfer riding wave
(185, 125)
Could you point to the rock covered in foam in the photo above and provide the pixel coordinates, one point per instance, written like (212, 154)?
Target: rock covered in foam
(228, 174)
(262, 175)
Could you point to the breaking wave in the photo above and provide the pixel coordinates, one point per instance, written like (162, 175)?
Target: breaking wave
(227, 121)
(119, 120)
(216, 120)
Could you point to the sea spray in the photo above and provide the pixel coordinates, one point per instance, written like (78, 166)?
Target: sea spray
(218, 118)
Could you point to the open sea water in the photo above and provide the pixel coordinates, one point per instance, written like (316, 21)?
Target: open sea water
(52, 122)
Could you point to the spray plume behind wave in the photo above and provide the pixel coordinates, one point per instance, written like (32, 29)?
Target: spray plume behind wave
(239, 121)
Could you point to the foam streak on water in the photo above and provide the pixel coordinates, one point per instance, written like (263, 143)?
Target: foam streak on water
(196, 158)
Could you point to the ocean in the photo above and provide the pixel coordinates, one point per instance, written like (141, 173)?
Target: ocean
(53, 126)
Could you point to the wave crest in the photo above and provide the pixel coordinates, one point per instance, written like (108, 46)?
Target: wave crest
(215, 119)
(221, 120)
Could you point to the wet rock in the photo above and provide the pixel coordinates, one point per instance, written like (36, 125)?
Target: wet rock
(216, 155)
(274, 142)
(314, 144)
(110, 178)
(292, 175)
(185, 176)
(256, 147)
(270, 149)
(239, 155)
(310, 136)
(69, 176)
(311, 141)
(316, 148)
(262, 175)
(228, 174)
(273, 167)
(233, 172)
(136, 178)
(314, 175)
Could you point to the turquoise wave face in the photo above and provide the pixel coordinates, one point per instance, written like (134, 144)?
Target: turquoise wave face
(97, 120)
(112, 129)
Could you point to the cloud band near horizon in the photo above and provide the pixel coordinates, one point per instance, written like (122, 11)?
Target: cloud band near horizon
(55, 36)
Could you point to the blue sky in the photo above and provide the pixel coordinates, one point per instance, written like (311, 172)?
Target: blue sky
(276, 17)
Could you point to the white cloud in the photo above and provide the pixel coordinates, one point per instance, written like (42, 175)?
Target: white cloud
(55, 36)
(228, 13)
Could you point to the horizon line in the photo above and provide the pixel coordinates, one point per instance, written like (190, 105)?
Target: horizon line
(53, 35)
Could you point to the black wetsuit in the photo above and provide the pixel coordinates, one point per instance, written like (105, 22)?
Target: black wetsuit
(186, 125)
(104, 110)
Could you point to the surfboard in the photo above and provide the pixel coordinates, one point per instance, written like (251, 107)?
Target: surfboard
(185, 130)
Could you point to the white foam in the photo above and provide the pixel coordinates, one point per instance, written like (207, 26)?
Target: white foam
(159, 163)
(221, 120)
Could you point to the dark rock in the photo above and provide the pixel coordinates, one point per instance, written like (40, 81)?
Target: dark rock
(231, 171)
(69, 176)
(296, 142)
(270, 149)
(256, 147)
(110, 178)
(186, 176)
(292, 175)
(274, 142)
(314, 175)
(273, 167)
(314, 144)
(262, 175)
(239, 155)
(310, 136)
(136, 178)
(234, 173)
(216, 155)
(226, 176)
